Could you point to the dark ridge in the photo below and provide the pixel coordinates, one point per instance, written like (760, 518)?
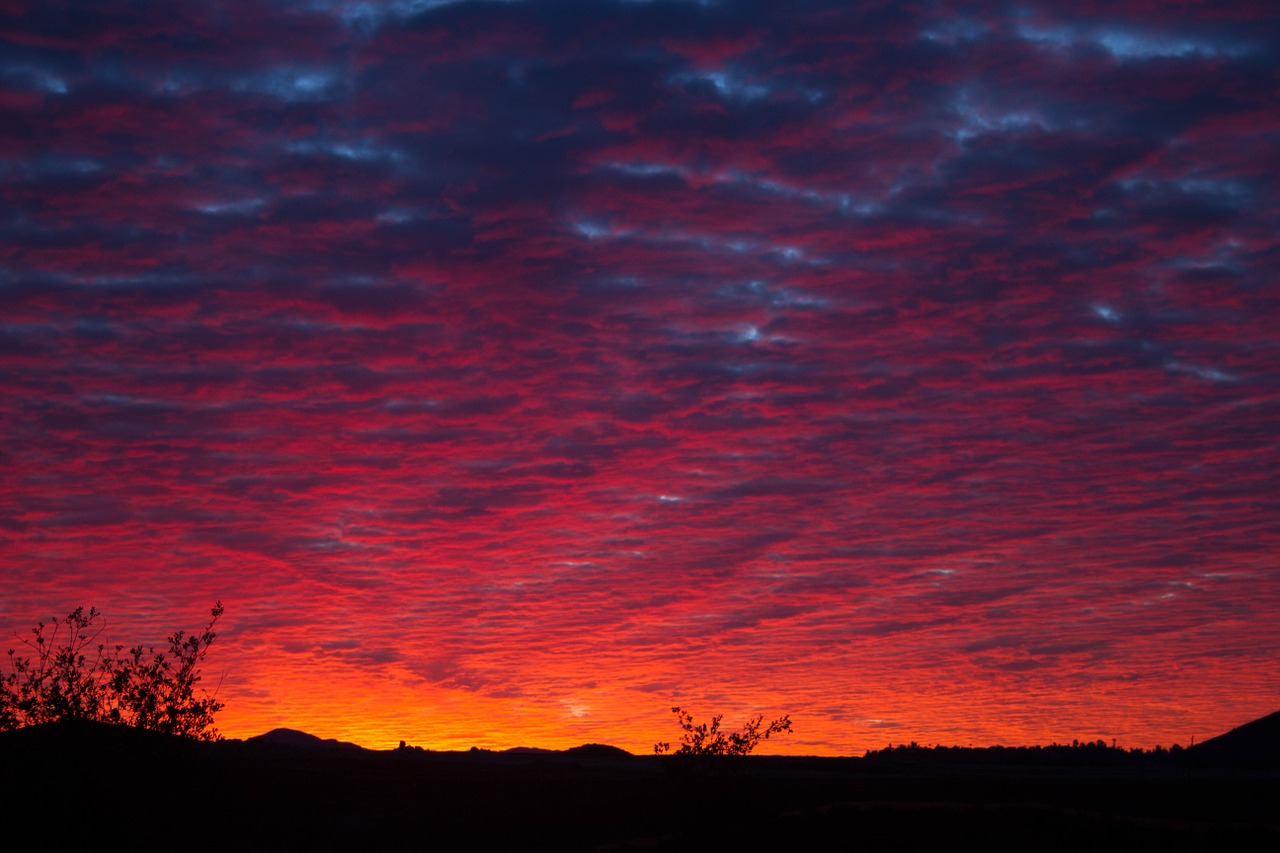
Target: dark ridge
(294, 739)
(598, 750)
(293, 791)
(90, 739)
(1256, 743)
(529, 750)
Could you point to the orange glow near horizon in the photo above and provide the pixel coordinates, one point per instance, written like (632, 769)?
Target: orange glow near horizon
(379, 710)
(460, 722)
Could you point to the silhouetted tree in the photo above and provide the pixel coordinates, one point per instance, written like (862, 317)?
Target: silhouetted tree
(78, 680)
(700, 745)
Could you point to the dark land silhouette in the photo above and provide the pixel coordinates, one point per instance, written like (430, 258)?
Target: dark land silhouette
(285, 790)
(1253, 744)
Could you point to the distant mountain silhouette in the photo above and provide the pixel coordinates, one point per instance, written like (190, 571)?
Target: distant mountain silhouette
(597, 750)
(1256, 743)
(294, 739)
(288, 790)
(586, 750)
(529, 750)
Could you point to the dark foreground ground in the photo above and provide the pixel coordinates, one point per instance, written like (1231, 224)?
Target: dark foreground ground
(86, 789)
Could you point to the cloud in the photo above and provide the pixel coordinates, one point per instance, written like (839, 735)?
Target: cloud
(907, 359)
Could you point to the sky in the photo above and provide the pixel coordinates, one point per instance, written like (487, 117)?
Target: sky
(516, 371)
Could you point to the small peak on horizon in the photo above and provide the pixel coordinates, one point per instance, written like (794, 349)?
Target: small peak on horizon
(598, 750)
(298, 739)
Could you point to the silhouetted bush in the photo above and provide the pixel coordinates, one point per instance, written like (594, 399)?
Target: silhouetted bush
(705, 746)
(78, 680)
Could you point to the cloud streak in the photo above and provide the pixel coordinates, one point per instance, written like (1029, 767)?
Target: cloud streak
(513, 371)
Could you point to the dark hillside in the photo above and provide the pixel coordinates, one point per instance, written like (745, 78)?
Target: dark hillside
(1255, 744)
(81, 783)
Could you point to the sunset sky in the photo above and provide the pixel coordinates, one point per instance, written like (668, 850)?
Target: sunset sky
(513, 372)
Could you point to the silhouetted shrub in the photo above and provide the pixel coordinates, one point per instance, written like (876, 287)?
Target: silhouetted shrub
(78, 680)
(705, 746)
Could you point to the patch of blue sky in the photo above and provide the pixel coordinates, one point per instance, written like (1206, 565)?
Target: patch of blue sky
(363, 150)
(1106, 312)
(373, 13)
(1124, 44)
(403, 215)
(291, 84)
(790, 297)
(775, 297)
(728, 85)
(983, 119)
(51, 165)
(142, 280)
(123, 400)
(954, 31)
(1224, 259)
(648, 169)
(704, 3)
(594, 230)
(1222, 191)
(735, 245)
(732, 86)
(231, 207)
(1209, 374)
(1219, 188)
(27, 332)
(845, 201)
(1047, 34)
(32, 78)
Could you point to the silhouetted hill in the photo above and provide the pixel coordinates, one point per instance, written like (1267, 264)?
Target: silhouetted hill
(88, 739)
(529, 750)
(1254, 744)
(294, 739)
(287, 790)
(598, 751)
